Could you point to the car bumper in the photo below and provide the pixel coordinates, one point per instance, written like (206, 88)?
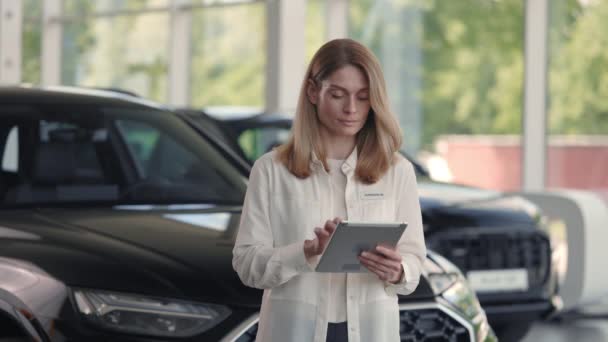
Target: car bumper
(430, 316)
(244, 327)
(518, 312)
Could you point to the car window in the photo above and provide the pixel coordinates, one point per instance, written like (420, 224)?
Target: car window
(10, 155)
(117, 155)
(256, 141)
(141, 140)
(156, 154)
(259, 138)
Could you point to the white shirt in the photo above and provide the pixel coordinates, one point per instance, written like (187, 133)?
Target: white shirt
(280, 211)
(337, 281)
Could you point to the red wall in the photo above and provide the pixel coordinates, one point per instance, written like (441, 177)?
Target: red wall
(494, 162)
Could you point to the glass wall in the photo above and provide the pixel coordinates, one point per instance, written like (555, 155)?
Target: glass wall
(454, 71)
(577, 153)
(79, 7)
(31, 42)
(112, 44)
(229, 56)
(315, 26)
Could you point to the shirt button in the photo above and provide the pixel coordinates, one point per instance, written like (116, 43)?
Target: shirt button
(352, 297)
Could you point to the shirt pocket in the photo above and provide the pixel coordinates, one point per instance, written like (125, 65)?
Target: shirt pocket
(293, 219)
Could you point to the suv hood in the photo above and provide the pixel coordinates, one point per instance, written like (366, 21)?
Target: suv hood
(139, 249)
(449, 205)
(156, 251)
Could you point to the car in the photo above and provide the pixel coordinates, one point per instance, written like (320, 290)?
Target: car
(498, 240)
(118, 219)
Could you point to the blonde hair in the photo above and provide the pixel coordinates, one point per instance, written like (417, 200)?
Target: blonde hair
(377, 141)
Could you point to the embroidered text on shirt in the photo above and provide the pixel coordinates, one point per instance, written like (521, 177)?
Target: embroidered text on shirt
(372, 195)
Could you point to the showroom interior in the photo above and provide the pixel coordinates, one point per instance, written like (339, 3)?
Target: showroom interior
(503, 114)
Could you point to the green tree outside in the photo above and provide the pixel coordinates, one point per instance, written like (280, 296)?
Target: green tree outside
(462, 64)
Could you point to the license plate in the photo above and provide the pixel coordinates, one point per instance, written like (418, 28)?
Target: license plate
(499, 280)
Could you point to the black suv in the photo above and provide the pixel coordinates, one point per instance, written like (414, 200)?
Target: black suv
(117, 223)
(496, 239)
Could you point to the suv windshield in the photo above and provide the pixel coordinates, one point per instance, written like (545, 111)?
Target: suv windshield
(92, 154)
(250, 139)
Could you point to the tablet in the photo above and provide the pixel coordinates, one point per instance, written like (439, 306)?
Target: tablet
(350, 239)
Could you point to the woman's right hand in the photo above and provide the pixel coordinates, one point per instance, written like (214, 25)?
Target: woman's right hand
(317, 245)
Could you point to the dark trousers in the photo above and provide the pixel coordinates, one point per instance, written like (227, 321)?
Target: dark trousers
(337, 332)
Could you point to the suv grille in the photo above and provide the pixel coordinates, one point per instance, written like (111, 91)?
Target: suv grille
(431, 325)
(418, 325)
(472, 249)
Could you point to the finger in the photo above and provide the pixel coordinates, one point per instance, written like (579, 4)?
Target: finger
(311, 243)
(323, 242)
(379, 258)
(337, 220)
(321, 233)
(330, 229)
(382, 275)
(330, 225)
(326, 233)
(388, 252)
(323, 237)
(312, 247)
(375, 259)
(371, 268)
(382, 267)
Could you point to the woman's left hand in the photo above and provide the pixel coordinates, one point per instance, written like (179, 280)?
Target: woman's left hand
(385, 262)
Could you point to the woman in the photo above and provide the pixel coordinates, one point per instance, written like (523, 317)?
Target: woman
(341, 162)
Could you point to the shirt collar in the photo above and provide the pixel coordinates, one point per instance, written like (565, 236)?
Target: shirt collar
(350, 164)
(316, 162)
(351, 160)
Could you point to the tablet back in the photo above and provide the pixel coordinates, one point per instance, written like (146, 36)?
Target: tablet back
(350, 239)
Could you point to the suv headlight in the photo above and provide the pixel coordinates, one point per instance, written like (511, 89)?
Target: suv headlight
(455, 290)
(136, 314)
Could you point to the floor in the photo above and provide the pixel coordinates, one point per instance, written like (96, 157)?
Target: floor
(584, 330)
